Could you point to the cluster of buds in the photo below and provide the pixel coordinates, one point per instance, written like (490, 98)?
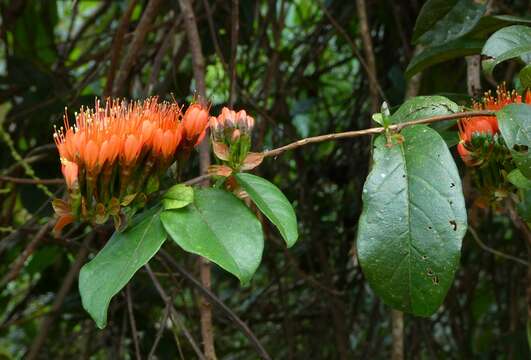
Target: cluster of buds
(113, 157)
(231, 141)
(481, 146)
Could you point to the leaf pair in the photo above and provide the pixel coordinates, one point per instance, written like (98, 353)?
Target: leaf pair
(208, 222)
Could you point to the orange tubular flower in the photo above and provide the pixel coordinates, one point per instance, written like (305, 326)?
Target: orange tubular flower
(195, 124)
(124, 142)
(70, 172)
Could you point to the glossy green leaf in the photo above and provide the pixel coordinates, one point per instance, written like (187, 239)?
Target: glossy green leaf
(437, 54)
(519, 51)
(441, 21)
(491, 23)
(413, 221)
(514, 121)
(178, 196)
(507, 43)
(219, 227)
(421, 107)
(273, 203)
(113, 267)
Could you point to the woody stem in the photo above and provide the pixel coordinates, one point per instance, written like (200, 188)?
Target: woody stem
(373, 131)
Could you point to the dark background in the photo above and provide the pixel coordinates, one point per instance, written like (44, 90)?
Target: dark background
(298, 73)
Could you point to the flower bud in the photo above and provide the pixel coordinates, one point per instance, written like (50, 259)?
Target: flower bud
(235, 135)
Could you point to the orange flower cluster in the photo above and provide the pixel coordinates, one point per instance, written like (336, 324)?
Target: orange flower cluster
(113, 156)
(485, 125)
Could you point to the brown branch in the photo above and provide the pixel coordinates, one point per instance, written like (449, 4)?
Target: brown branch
(117, 47)
(149, 14)
(32, 181)
(397, 320)
(48, 321)
(198, 65)
(473, 74)
(354, 48)
(163, 49)
(216, 301)
(97, 14)
(373, 131)
(158, 336)
(235, 28)
(494, 251)
(175, 318)
(369, 54)
(19, 263)
(132, 322)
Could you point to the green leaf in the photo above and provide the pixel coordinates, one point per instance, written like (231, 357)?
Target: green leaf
(272, 202)
(514, 121)
(491, 23)
(117, 262)
(437, 54)
(219, 227)
(519, 51)
(516, 178)
(420, 107)
(441, 21)
(378, 118)
(525, 77)
(413, 221)
(507, 43)
(178, 196)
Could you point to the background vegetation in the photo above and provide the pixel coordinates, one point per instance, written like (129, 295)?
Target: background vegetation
(302, 68)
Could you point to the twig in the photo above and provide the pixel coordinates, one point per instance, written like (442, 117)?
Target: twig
(141, 31)
(216, 301)
(59, 299)
(198, 65)
(117, 46)
(369, 67)
(473, 74)
(97, 14)
(132, 322)
(32, 181)
(163, 48)
(372, 131)
(168, 302)
(159, 331)
(235, 28)
(369, 54)
(352, 134)
(19, 263)
(397, 320)
(494, 251)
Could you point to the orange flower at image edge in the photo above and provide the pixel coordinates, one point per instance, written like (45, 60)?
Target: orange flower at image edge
(486, 125)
